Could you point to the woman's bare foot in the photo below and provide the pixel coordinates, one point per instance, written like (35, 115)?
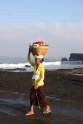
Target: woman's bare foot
(29, 113)
(47, 110)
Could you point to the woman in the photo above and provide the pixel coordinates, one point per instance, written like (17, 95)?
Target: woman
(37, 91)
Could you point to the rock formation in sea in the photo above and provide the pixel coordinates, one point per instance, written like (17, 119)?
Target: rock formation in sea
(64, 59)
(76, 57)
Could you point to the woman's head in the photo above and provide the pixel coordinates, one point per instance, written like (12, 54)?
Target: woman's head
(38, 59)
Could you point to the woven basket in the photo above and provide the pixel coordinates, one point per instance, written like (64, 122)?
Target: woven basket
(39, 50)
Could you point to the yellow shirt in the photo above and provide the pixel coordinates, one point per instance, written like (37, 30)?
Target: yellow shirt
(40, 71)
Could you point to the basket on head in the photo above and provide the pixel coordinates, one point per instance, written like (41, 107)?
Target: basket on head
(39, 50)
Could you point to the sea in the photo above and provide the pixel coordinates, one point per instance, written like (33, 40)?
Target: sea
(20, 64)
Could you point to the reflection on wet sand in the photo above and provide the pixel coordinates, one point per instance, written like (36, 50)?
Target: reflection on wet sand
(63, 91)
(16, 104)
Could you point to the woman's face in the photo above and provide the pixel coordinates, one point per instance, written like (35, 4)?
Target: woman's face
(37, 61)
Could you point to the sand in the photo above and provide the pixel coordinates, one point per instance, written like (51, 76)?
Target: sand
(63, 91)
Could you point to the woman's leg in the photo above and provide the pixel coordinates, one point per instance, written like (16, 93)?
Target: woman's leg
(32, 108)
(32, 101)
(41, 99)
(31, 112)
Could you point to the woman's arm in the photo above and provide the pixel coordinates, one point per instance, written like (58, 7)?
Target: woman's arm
(29, 59)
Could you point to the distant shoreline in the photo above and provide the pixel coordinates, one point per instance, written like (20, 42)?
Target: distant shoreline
(73, 71)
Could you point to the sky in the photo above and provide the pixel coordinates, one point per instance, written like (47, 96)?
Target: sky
(59, 23)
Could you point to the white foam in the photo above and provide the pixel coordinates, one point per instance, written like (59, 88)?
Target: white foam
(52, 63)
(12, 66)
(47, 65)
(22, 65)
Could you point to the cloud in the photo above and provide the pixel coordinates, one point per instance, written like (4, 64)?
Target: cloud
(62, 39)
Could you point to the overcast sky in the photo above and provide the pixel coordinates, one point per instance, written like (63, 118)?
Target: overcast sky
(59, 23)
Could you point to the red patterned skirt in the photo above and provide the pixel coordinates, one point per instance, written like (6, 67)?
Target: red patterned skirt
(37, 97)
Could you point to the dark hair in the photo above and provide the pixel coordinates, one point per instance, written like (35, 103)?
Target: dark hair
(41, 60)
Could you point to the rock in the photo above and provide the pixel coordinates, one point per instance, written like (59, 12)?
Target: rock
(76, 57)
(64, 59)
(27, 66)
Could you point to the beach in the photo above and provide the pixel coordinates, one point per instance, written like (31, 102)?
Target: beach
(63, 91)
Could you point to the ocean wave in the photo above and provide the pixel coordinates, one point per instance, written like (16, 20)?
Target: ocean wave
(20, 65)
(12, 66)
(48, 65)
(52, 63)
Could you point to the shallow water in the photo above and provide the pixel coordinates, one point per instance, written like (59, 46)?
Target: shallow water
(15, 104)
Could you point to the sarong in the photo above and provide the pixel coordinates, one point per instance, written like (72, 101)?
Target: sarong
(37, 97)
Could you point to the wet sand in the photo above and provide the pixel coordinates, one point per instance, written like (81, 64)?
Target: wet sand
(63, 90)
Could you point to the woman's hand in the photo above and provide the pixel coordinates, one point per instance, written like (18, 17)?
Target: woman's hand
(36, 87)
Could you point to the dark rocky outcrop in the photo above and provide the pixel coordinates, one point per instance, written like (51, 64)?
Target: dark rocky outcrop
(76, 57)
(27, 66)
(64, 59)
